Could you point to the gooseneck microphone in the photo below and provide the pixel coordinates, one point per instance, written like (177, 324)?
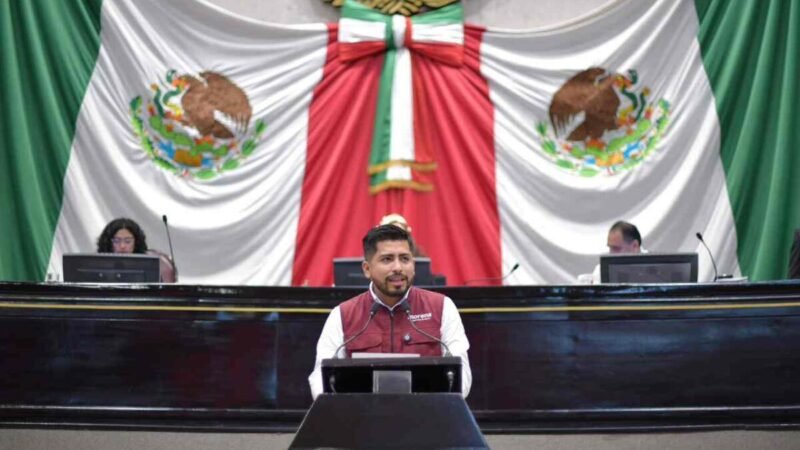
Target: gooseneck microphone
(513, 269)
(710, 255)
(717, 276)
(450, 375)
(372, 312)
(171, 253)
(407, 309)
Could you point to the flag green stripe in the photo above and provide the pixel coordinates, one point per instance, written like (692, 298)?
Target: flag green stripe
(47, 53)
(382, 130)
(354, 10)
(450, 14)
(750, 52)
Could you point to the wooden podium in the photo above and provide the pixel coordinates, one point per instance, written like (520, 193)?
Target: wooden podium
(356, 412)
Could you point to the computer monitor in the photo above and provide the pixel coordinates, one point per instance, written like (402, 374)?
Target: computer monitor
(649, 268)
(347, 273)
(428, 373)
(110, 268)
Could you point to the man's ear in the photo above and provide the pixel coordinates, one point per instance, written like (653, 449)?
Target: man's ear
(365, 269)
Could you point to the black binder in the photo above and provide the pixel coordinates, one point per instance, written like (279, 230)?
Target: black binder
(794, 257)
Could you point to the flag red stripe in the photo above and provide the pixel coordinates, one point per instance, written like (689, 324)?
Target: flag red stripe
(451, 54)
(357, 50)
(336, 208)
(457, 224)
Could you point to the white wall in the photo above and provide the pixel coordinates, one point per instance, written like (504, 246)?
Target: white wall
(492, 13)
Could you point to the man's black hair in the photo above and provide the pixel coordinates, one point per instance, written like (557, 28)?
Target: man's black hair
(385, 233)
(628, 230)
(104, 244)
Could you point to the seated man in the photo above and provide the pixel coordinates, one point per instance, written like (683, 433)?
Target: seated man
(389, 265)
(623, 237)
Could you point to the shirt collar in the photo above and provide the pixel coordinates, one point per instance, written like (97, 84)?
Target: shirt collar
(378, 300)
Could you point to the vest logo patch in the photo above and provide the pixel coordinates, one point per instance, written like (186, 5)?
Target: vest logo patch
(419, 317)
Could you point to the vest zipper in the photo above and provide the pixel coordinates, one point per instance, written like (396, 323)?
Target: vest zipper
(391, 331)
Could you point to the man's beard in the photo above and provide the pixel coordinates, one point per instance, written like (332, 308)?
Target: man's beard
(385, 287)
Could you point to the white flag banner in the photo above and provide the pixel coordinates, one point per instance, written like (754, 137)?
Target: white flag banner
(233, 208)
(558, 193)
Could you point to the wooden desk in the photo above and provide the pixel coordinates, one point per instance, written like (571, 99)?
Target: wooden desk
(544, 358)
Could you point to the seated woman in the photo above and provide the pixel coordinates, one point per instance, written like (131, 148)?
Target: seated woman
(123, 235)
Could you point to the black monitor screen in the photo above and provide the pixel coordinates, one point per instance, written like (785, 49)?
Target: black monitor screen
(110, 268)
(794, 257)
(649, 268)
(347, 272)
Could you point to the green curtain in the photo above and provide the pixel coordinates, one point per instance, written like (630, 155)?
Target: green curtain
(48, 52)
(750, 51)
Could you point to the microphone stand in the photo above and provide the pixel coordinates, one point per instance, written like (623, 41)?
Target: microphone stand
(171, 253)
(513, 269)
(717, 276)
(372, 312)
(450, 375)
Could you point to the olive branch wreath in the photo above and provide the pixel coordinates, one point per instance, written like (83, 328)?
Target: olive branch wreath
(404, 7)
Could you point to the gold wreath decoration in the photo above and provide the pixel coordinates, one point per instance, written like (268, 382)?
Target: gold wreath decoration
(404, 7)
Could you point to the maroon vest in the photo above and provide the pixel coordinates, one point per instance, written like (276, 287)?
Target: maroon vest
(392, 332)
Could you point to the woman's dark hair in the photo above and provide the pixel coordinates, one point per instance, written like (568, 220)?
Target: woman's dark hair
(104, 244)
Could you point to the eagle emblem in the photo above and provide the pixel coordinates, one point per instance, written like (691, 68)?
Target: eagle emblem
(600, 123)
(196, 126)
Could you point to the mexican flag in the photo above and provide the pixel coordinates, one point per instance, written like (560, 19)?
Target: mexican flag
(273, 149)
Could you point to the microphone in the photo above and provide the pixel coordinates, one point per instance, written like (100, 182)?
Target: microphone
(711, 256)
(450, 375)
(171, 253)
(513, 269)
(372, 312)
(407, 309)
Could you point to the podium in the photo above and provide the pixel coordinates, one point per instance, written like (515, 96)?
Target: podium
(426, 374)
(357, 412)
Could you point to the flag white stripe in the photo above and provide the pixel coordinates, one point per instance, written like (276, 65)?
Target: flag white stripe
(553, 222)
(438, 34)
(402, 128)
(352, 31)
(224, 230)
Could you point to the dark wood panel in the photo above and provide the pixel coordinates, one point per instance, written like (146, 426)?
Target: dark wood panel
(543, 357)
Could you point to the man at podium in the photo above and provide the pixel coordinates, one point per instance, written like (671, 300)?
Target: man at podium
(379, 320)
